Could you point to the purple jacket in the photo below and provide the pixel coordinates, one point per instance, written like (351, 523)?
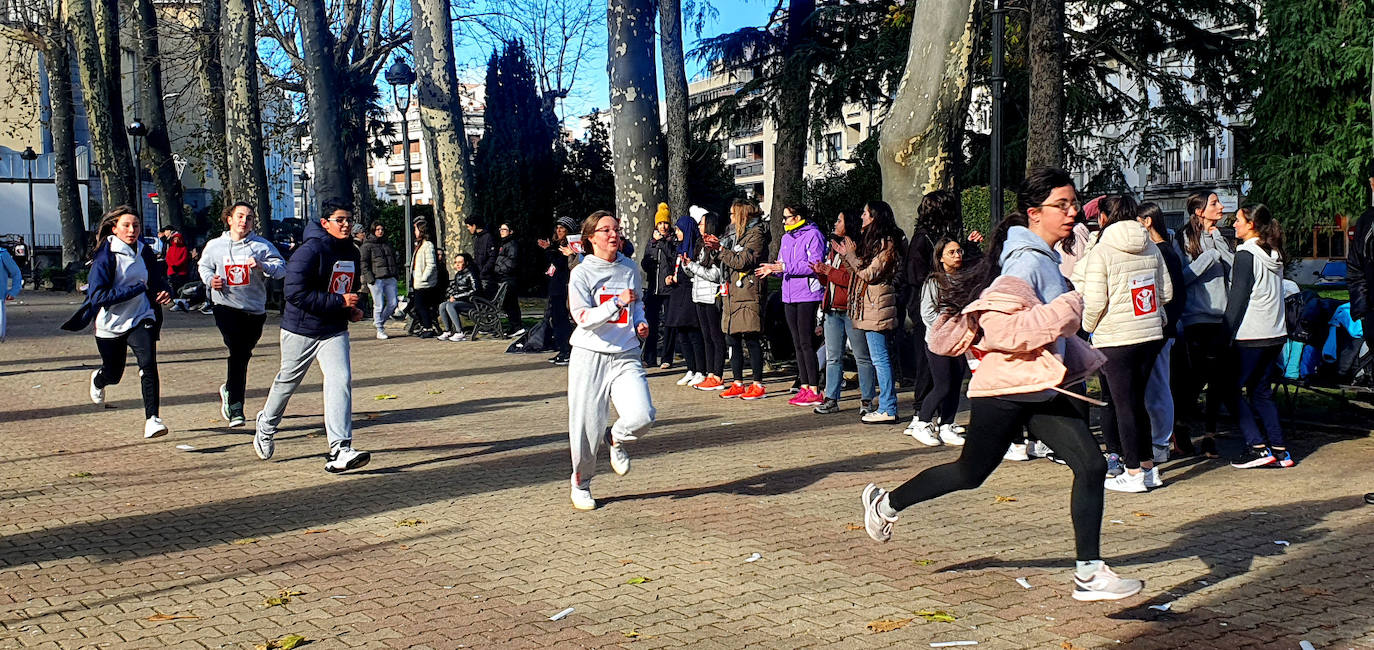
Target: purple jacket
(800, 248)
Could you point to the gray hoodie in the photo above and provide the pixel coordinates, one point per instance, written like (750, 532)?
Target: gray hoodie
(601, 326)
(1025, 255)
(1205, 277)
(244, 289)
(1254, 311)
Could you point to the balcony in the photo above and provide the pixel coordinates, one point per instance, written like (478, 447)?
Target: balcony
(749, 169)
(1193, 171)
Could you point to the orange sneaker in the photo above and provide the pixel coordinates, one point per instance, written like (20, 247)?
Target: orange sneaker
(735, 390)
(711, 383)
(754, 391)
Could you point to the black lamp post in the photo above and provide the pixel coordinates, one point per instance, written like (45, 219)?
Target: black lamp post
(400, 75)
(305, 195)
(997, 80)
(138, 130)
(29, 156)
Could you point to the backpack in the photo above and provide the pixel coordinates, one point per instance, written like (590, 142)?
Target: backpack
(1293, 307)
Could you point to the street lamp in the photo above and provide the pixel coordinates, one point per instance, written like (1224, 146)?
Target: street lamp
(997, 80)
(138, 130)
(401, 75)
(29, 156)
(305, 195)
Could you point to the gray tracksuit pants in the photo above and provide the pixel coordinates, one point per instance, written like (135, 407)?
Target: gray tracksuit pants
(297, 353)
(597, 380)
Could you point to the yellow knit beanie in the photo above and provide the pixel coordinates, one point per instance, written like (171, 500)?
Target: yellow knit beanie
(662, 215)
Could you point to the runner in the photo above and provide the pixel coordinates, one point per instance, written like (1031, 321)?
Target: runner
(125, 287)
(605, 368)
(1018, 303)
(11, 283)
(321, 299)
(227, 267)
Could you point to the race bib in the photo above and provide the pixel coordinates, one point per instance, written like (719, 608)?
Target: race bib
(341, 280)
(1143, 298)
(606, 295)
(235, 273)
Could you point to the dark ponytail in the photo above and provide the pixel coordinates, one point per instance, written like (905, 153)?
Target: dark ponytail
(1266, 227)
(1190, 235)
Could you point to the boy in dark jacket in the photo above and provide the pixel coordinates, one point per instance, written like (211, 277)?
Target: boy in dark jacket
(484, 247)
(321, 299)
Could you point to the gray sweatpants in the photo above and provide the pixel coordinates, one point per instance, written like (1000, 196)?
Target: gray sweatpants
(297, 353)
(595, 381)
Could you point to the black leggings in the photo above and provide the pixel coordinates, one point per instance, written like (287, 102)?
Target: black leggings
(693, 348)
(1126, 424)
(1210, 361)
(511, 305)
(143, 342)
(947, 375)
(801, 319)
(240, 331)
(995, 423)
(737, 343)
(713, 340)
(423, 300)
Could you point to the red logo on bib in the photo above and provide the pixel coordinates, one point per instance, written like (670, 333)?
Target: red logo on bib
(623, 317)
(236, 275)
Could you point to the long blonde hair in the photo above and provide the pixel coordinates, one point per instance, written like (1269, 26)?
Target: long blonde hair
(740, 213)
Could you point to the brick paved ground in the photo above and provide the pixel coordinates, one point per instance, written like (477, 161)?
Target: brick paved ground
(102, 530)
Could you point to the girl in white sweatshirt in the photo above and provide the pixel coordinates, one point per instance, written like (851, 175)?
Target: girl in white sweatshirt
(603, 294)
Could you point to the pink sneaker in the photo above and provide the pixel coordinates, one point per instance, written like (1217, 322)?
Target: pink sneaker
(799, 399)
(813, 398)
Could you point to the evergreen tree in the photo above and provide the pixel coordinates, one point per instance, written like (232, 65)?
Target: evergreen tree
(1312, 140)
(588, 184)
(514, 165)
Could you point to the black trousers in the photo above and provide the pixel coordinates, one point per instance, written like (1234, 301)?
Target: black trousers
(562, 325)
(737, 344)
(1126, 424)
(511, 305)
(693, 349)
(801, 320)
(713, 340)
(947, 383)
(919, 370)
(995, 423)
(424, 306)
(1210, 361)
(142, 339)
(241, 331)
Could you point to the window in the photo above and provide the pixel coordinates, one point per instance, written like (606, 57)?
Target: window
(400, 177)
(1207, 153)
(414, 147)
(1172, 161)
(829, 148)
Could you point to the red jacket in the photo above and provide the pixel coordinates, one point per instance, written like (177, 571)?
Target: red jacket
(178, 256)
(836, 284)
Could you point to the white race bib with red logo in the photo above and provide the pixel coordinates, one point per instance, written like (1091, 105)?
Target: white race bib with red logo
(1143, 297)
(235, 273)
(341, 279)
(608, 294)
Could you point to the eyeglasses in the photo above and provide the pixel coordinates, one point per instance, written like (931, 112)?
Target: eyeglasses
(606, 230)
(503, 229)
(1062, 206)
(341, 220)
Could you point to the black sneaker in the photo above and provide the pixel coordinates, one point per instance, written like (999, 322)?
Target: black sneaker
(560, 361)
(1255, 457)
(827, 407)
(1207, 446)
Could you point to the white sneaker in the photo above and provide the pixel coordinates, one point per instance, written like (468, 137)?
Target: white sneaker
(878, 526)
(915, 422)
(686, 378)
(97, 394)
(1126, 482)
(1039, 450)
(1105, 585)
(343, 458)
(1015, 452)
(381, 336)
(696, 379)
(1153, 479)
(878, 417)
(444, 337)
(620, 459)
(949, 436)
(154, 428)
(457, 336)
(582, 499)
(262, 438)
(924, 433)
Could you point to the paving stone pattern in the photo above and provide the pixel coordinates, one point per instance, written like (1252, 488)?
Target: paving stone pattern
(460, 532)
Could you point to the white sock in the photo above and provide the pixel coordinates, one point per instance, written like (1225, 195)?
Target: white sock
(1085, 570)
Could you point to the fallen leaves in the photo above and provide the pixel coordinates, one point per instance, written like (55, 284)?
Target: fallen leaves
(938, 615)
(409, 523)
(923, 562)
(1068, 646)
(159, 617)
(764, 466)
(282, 643)
(382, 397)
(853, 527)
(80, 475)
(245, 541)
(626, 561)
(1142, 514)
(315, 531)
(1002, 499)
(878, 627)
(630, 633)
(638, 580)
(435, 392)
(282, 598)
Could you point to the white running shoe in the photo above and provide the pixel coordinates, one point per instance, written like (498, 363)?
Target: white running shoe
(878, 526)
(1015, 452)
(924, 433)
(343, 458)
(696, 379)
(1039, 450)
(686, 378)
(1126, 482)
(262, 438)
(224, 402)
(97, 394)
(1105, 585)
(154, 428)
(445, 336)
(949, 436)
(620, 459)
(381, 336)
(1153, 479)
(582, 499)
(915, 422)
(878, 417)
(457, 336)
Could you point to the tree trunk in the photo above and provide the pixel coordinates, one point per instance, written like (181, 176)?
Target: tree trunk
(211, 73)
(1045, 137)
(358, 180)
(441, 121)
(245, 169)
(636, 140)
(675, 95)
(158, 142)
(105, 115)
(915, 150)
(57, 58)
(789, 152)
(322, 102)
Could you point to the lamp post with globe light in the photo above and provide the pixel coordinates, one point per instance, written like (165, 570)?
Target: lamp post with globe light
(29, 156)
(138, 130)
(400, 75)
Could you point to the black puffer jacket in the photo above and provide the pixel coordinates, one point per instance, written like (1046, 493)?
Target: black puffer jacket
(660, 261)
(507, 265)
(484, 256)
(378, 260)
(1357, 261)
(462, 286)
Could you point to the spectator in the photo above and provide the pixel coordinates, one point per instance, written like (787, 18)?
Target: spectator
(380, 271)
(559, 256)
(507, 270)
(660, 260)
(740, 251)
(1358, 261)
(424, 280)
(484, 249)
(461, 288)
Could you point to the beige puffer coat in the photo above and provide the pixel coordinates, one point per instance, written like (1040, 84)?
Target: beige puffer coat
(873, 296)
(1124, 285)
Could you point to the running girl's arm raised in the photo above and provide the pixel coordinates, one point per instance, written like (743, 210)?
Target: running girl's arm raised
(582, 302)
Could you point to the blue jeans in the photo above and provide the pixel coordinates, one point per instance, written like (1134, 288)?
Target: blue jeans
(383, 300)
(1258, 415)
(1159, 400)
(882, 365)
(838, 328)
